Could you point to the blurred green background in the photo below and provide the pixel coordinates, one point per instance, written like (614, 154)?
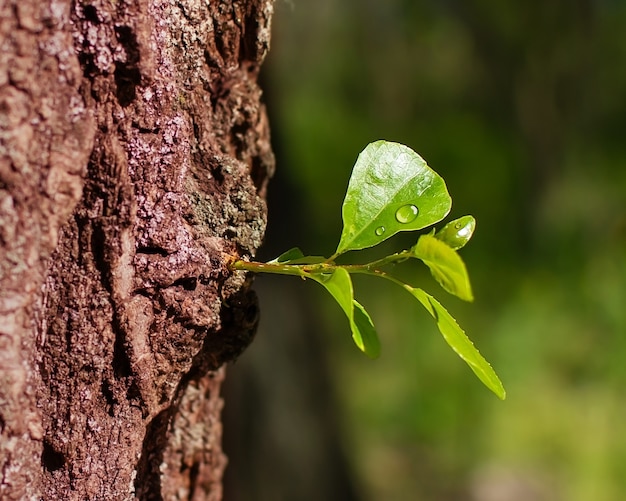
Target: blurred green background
(521, 107)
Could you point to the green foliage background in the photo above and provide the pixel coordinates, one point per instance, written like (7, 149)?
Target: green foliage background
(521, 107)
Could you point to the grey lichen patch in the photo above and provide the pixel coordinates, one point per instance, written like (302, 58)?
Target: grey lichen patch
(240, 214)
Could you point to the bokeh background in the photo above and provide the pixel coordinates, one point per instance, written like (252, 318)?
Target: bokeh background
(521, 107)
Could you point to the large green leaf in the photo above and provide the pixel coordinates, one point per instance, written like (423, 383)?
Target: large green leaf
(459, 342)
(339, 284)
(445, 264)
(391, 189)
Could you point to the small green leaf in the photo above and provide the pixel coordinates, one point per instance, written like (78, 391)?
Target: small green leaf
(459, 342)
(291, 254)
(458, 232)
(391, 189)
(295, 256)
(445, 265)
(339, 285)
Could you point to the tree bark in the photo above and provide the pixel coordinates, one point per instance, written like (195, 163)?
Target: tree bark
(134, 156)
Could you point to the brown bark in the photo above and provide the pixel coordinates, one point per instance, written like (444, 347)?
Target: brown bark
(134, 153)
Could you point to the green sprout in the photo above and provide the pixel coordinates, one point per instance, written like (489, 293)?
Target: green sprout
(392, 189)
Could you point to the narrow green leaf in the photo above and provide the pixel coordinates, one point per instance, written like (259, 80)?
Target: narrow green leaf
(459, 342)
(445, 265)
(458, 232)
(366, 331)
(339, 285)
(391, 189)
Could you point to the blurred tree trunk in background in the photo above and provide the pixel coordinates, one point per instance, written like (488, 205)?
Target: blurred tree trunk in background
(134, 158)
(282, 421)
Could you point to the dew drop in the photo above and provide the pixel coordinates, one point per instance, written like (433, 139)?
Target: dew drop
(407, 213)
(379, 231)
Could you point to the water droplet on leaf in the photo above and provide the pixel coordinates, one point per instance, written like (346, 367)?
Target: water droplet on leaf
(407, 213)
(379, 231)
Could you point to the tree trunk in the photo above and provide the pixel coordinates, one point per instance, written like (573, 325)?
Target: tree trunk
(134, 154)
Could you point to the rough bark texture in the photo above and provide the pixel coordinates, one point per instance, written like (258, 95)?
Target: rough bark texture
(134, 153)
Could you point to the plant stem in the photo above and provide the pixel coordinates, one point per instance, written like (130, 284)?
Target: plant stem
(276, 268)
(328, 266)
